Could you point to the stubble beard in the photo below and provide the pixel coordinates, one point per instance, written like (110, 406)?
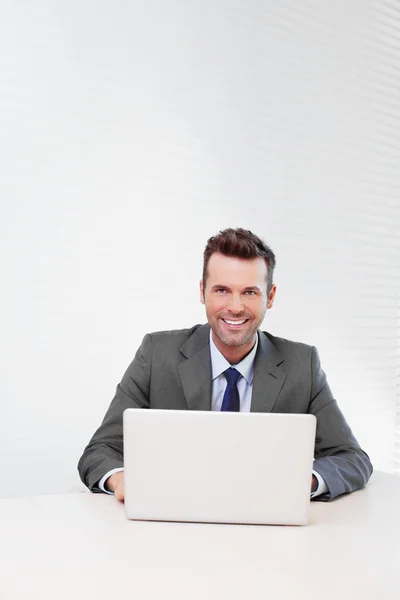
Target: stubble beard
(233, 339)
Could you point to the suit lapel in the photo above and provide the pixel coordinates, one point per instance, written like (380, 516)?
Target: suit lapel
(195, 372)
(268, 376)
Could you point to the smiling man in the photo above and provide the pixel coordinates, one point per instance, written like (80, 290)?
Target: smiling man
(230, 365)
(234, 291)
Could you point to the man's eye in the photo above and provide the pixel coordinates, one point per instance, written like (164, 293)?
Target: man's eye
(250, 292)
(220, 291)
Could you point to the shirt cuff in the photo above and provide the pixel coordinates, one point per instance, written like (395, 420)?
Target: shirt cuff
(104, 479)
(322, 487)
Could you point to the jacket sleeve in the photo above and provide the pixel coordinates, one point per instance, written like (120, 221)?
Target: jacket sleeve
(339, 459)
(105, 450)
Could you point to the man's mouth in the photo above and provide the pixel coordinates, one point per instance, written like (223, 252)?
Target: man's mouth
(234, 323)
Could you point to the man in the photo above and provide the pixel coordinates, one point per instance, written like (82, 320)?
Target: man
(229, 364)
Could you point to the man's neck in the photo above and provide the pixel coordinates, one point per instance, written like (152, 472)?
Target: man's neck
(234, 354)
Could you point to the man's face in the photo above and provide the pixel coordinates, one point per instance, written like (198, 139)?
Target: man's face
(235, 297)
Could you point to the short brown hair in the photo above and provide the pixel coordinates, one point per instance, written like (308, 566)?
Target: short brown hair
(240, 243)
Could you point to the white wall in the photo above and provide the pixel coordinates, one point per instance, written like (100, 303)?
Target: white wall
(130, 133)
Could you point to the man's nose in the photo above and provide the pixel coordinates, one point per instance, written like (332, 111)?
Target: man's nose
(236, 304)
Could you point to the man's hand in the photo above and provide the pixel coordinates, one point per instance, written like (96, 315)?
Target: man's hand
(115, 484)
(314, 483)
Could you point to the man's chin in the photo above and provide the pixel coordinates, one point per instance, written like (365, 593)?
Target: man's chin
(233, 339)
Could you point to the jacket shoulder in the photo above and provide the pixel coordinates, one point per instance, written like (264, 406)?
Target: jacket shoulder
(178, 335)
(289, 348)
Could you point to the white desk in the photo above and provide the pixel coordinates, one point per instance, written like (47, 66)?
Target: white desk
(80, 546)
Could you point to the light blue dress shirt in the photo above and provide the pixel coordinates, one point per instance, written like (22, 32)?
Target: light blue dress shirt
(219, 364)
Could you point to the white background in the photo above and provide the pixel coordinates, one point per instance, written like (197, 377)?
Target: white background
(130, 132)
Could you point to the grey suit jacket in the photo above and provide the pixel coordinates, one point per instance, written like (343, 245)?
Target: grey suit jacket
(172, 370)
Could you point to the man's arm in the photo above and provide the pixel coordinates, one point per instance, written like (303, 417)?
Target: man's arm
(340, 461)
(105, 450)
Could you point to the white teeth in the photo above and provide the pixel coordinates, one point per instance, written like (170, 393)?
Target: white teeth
(234, 322)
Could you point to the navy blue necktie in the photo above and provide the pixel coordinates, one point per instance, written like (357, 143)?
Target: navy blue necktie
(231, 397)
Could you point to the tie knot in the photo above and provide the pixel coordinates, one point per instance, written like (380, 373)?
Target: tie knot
(232, 376)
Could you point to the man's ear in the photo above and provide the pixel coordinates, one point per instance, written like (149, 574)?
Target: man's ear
(271, 297)
(202, 292)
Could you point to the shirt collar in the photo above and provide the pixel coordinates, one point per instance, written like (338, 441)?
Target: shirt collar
(219, 364)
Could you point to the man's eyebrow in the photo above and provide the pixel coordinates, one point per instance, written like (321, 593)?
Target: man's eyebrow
(252, 288)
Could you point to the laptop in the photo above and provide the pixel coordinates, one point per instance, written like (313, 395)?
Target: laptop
(218, 467)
